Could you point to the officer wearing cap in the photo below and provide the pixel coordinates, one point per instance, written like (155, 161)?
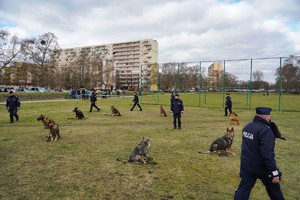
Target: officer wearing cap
(12, 105)
(228, 105)
(258, 158)
(177, 109)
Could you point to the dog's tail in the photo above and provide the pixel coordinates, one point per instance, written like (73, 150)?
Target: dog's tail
(122, 160)
(204, 152)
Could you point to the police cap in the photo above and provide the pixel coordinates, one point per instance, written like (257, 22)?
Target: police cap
(263, 110)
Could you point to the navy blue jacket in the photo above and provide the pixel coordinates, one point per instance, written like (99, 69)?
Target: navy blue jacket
(93, 97)
(258, 144)
(228, 101)
(13, 102)
(136, 98)
(177, 106)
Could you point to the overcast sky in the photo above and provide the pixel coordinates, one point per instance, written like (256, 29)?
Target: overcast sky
(186, 30)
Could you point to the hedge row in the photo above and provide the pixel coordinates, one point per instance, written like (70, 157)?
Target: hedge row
(25, 96)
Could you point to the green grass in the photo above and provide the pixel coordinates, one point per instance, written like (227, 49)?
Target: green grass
(82, 165)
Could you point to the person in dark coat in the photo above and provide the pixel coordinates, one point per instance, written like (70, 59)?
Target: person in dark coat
(12, 105)
(177, 109)
(93, 100)
(258, 157)
(228, 105)
(136, 102)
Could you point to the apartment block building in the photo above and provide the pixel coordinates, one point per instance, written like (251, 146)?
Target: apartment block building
(215, 72)
(124, 65)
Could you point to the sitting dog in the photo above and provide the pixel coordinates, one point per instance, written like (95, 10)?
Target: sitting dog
(222, 145)
(114, 111)
(54, 132)
(79, 114)
(45, 120)
(233, 119)
(162, 112)
(139, 154)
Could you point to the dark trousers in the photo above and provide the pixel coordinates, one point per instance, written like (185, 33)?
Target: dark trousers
(248, 181)
(177, 117)
(226, 110)
(93, 104)
(136, 103)
(12, 113)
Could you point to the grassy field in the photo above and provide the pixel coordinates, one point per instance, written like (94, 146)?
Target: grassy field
(82, 164)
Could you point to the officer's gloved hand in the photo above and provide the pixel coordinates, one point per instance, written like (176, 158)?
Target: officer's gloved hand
(275, 175)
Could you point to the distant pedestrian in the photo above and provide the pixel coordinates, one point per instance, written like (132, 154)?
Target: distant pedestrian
(12, 105)
(93, 101)
(83, 96)
(136, 102)
(177, 109)
(228, 105)
(73, 93)
(78, 94)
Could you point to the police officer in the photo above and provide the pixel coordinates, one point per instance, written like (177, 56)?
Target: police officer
(12, 105)
(177, 109)
(228, 105)
(258, 158)
(93, 100)
(136, 102)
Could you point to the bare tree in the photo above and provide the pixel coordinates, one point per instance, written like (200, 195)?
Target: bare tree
(289, 75)
(168, 76)
(38, 51)
(9, 48)
(258, 76)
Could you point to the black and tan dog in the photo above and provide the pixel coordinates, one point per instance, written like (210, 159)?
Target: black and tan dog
(114, 111)
(233, 119)
(162, 112)
(45, 120)
(222, 145)
(139, 154)
(79, 114)
(54, 132)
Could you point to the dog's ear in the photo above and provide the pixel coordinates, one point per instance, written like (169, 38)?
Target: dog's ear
(227, 129)
(232, 129)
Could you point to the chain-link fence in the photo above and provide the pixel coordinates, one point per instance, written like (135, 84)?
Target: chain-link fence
(250, 82)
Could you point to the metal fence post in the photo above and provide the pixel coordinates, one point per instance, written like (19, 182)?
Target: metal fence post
(200, 83)
(280, 86)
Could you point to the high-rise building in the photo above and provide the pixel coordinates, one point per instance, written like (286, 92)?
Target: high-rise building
(215, 72)
(123, 65)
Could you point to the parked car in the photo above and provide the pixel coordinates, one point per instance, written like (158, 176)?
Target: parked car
(38, 89)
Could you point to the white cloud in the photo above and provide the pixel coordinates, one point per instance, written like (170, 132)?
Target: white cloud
(186, 30)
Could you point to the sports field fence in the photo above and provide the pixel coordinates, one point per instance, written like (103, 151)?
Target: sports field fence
(250, 82)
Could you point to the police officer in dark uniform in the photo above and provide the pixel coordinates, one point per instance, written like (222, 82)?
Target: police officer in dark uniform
(258, 158)
(12, 105)
(228, 105)
(136, 102)
(177, 109)
(93, 100)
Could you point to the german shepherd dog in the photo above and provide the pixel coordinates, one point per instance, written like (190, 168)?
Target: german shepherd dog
(114, 111)
(139, 154)
(45, 120)
(233, 119)
(79, 114)
(54, 132)
(162, 112)
(222, 145)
